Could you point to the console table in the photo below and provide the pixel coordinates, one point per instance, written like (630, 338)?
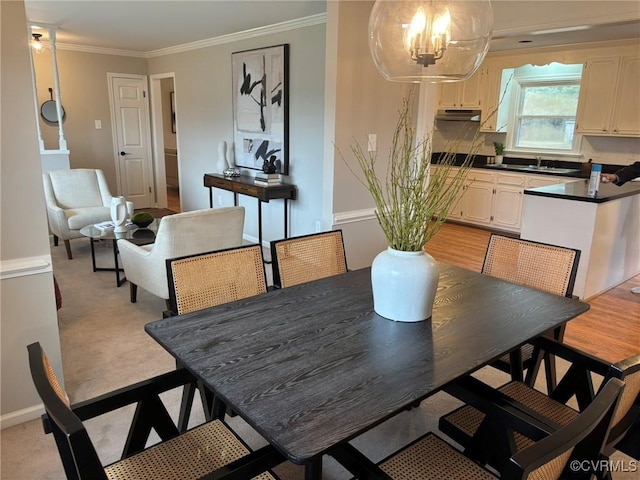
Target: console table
(246, 186)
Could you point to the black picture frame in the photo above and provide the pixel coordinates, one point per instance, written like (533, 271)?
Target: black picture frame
(172, 102)
(261, 107)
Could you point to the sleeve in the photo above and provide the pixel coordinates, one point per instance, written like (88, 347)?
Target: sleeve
(628, 173)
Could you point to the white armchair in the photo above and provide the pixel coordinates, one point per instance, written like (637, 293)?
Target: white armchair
(75, 198)
(186, 233)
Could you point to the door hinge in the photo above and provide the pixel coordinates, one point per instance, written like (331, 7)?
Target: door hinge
(149, 189)
(144, 94)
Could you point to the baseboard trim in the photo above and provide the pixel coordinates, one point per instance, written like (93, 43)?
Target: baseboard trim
(353, 216)
(21, 416)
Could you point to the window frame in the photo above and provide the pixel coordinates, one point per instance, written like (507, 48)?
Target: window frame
(515, 113)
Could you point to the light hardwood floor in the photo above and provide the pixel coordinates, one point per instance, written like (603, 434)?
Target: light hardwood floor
(173, 199)
(609, 330)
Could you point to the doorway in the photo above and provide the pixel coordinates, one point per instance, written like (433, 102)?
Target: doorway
(166, 151)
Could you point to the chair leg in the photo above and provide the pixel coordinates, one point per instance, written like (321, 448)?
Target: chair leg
(55, 240)
(133, 292)
(67, 245)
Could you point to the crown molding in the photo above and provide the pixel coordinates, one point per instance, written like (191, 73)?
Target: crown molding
(309, 21)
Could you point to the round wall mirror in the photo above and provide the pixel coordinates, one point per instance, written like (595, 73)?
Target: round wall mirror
(49, 112)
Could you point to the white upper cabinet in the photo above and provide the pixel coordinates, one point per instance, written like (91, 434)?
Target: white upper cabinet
(609, 98)
(461, 95)
(626, 116)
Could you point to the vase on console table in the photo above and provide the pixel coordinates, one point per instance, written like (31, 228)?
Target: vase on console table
(231, 170)
(119, 213)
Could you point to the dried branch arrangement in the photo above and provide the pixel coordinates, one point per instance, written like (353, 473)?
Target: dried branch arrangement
(413, 199)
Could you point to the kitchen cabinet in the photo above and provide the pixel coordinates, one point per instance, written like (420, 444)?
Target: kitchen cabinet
(609, 97)
(478, 197)
(495, 100)
(506, 210)
(461, 95)
(494, 199)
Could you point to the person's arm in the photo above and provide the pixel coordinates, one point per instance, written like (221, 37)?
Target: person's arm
(623, 175)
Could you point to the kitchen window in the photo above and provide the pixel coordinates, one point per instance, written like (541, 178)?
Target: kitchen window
(543, 112)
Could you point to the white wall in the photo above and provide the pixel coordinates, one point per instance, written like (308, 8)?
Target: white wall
(204, 118)
(27, 300)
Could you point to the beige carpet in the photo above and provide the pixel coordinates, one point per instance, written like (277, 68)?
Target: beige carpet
(104, 347)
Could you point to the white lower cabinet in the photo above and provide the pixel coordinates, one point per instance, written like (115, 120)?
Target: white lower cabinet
(494, 199)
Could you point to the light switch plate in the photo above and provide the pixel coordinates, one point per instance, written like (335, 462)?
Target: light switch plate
(372, 143)
(98, 124)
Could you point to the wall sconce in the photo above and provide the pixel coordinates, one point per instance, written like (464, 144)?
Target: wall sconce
(429, 41)
(37, 45)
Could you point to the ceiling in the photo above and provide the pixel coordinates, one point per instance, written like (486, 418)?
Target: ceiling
(145, 26)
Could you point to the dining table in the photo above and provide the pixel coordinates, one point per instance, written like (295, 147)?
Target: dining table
(312, 366)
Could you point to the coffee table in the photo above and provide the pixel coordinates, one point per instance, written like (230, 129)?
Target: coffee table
(134, 234)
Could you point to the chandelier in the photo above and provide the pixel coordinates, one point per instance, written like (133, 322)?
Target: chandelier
(429, 41)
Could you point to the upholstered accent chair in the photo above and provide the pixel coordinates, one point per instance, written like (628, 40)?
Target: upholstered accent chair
(186, 233)
(75, 198)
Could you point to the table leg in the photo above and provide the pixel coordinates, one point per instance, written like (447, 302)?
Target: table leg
(313, 470)
(286, 223)
(210, 197)
(515, 358)
(93, 255)
(119, 281)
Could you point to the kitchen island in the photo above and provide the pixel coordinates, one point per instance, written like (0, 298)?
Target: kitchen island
(605, 228)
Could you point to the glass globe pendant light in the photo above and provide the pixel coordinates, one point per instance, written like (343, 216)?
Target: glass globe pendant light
(429, 41)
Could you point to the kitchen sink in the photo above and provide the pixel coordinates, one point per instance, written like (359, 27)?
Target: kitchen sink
(534, 168)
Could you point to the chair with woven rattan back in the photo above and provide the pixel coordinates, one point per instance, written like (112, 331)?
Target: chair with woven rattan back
(549, 268)
(463, 423)
(552, 456)
(213, 278)
(202, 450)
(307, 257)
(205, 280)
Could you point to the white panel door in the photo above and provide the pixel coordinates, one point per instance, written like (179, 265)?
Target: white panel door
(130, 106)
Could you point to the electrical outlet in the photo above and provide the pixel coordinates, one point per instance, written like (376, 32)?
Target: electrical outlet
(318, 226)
(98, 124)
(219, 199)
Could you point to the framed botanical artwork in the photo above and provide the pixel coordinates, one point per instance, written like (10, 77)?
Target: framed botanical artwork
(261, 107)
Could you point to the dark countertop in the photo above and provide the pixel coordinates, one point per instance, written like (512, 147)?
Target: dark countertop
(559, 168)
(578, 191)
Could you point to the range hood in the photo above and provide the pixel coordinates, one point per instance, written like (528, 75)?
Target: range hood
(458, 115)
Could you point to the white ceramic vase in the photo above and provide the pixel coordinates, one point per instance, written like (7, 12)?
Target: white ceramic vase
(119, 213)
(499, 159)
(404, 285)
(222, 157)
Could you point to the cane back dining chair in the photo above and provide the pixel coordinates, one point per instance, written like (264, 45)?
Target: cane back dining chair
(307, 257)
(205, 280)
(432, 458)
(538, 265)
(463, 423)
(208, 279)
(198, 452)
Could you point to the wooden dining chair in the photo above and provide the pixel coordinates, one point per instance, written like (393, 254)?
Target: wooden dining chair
(308, 257)
(549, 268)
(432, 458)
(205, 280)
(208, 279)
(191, 455)
(463, 423)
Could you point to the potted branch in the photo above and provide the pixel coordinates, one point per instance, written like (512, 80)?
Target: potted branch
(412, 202)
(499, 148)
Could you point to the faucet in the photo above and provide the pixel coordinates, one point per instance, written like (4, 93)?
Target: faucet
(539, 161)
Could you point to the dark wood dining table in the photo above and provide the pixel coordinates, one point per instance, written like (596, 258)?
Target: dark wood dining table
(312, 366)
